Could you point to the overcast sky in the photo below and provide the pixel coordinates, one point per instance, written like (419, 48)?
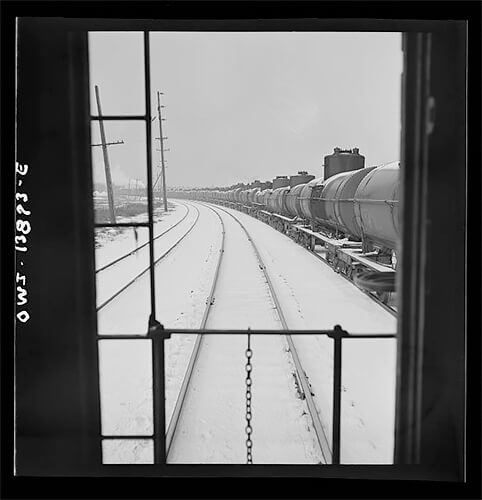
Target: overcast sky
(245, 106)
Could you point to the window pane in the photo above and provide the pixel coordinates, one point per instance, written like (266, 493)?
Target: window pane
(129, 451)
(368, 401)
(125, 368)
(117, 68)
(127, 165)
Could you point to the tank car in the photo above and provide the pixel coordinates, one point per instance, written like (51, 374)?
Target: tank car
(305, 198)
(243, 196)
(291, 201)
(252, 195)
(376, 204)
(237, 195)
(264, 198)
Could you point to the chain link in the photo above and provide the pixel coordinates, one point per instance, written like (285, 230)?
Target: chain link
(249, 429)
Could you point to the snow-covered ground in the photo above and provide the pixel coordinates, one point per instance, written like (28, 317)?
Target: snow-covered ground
(312, 296)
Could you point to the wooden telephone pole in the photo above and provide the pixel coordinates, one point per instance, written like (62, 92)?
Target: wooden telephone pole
(108, 178)
(161, 138)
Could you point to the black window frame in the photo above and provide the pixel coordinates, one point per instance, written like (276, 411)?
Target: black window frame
(417, 48)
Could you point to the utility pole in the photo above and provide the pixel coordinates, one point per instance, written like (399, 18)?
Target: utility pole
(108, 179)
(163, 171)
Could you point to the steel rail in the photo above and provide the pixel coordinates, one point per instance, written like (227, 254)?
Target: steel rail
(171, 429)
(132, 252)
(165, 254)
(315, 417)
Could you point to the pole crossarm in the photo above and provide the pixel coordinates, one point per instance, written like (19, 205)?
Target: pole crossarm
(108, 143)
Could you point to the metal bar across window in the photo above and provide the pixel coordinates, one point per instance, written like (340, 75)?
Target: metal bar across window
(120, 117)
(169, 331)
(122, 224)
(128, 436)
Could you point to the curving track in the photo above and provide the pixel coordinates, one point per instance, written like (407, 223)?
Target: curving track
(140, 247)
(164, 253)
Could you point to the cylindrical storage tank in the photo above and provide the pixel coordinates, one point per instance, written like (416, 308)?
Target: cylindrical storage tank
(343, 160)
(276, 199)
(264, 198)
(317, 205)
(237, 194)
(376, 205)
(324, 209)
(243, 196)
(292, 201)
(257, 197)
(301, 178)
(344, 204)
(283, 208)
(280, 181)
(305, 198)
(272, 200)
(252, 195)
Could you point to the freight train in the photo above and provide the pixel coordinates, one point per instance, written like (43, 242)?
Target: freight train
(350, 216)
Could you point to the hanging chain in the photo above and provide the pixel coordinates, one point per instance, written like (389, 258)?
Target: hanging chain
(249, 429)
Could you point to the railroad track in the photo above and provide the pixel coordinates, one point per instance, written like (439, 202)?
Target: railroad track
(171, 429)
(302, 378)
(133, 252)
(156, 261)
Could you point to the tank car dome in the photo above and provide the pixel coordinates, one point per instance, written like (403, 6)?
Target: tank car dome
(302, 177)
(343, 160)
(280, 181)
